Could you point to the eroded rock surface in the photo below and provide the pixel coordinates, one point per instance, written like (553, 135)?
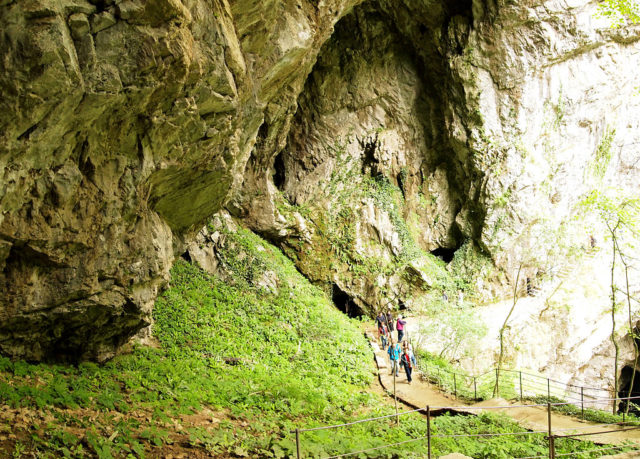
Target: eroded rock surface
(125, 125)
(357, 135)
(422, 129)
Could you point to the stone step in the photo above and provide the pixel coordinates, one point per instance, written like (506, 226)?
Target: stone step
(381, 362)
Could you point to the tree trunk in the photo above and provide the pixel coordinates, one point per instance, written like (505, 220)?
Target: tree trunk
(613, 322)
(631, 329)
(496, 388)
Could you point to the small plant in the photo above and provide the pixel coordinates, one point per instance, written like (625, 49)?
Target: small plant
(18, 450)
(603, 154)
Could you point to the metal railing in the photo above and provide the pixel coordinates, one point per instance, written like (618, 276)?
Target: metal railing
(551, 434)
(510, 384)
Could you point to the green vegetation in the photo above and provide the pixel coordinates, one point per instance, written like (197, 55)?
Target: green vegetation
(619, 212)
(460, 329)
(470, 265)
(603, 154)
(440, 371)
(238, 367)
(592, 415)
(620, 12)
(335, 214)
(250, 363)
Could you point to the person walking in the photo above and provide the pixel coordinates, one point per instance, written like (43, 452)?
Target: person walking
(381, 319)
(389, 320)
(394, 352)
(407, 364)
(411, 354)
(382, 334)
(400, 326)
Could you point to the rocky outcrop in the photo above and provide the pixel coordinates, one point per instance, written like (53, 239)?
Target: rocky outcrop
(357, 135)
(563, 332)
(125, 125)
(471, 122)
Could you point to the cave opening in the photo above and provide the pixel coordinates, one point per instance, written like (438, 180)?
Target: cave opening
(186, 256)
(279, 171)
(626, 375)
(444, 253)
(370, 164)
(345, 303)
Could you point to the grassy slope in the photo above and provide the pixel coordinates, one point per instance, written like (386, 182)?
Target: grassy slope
(237, 368)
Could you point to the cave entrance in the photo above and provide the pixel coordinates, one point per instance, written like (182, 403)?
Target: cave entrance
(625, 383)
(345, 303)
(279, 172)
(444, 254)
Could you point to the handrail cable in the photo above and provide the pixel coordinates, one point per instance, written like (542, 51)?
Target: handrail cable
(359, 421)
(597, 433)
(608, 448)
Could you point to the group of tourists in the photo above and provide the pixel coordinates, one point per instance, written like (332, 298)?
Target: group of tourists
(398, 355)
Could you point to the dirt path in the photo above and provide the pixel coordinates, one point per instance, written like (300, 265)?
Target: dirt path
(421, 393)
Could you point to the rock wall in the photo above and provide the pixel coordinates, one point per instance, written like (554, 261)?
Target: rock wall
(563, 332)
(484, 123)
(357, 135)
(124, 126)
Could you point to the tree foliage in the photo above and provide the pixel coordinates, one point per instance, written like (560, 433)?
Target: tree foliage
(620, 214)
(620, 12)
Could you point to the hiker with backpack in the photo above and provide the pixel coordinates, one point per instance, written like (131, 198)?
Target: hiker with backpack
(405, 361)
(394, 352)
(389, 321)
(381, 318)
(382, 334)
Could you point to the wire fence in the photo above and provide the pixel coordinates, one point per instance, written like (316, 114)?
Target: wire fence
(508, 384)
(550, 434)
(511, 384)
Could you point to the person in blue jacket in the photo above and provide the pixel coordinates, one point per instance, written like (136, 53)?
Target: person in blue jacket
(394, 352)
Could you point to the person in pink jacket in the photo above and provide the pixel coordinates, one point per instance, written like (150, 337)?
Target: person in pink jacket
(400, 327)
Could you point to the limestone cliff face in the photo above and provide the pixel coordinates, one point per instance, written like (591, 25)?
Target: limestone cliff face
(124, 126)
(357, 135)
(479, 124)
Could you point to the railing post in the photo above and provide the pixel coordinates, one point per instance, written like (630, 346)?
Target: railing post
(582, 401)
(455, 386)
(428, 432)
(548, 389)
(298, 456)
(475, 389)
(552, 453)
(520, 372)
(395, 398)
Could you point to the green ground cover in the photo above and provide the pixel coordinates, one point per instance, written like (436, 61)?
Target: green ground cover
(237, 366)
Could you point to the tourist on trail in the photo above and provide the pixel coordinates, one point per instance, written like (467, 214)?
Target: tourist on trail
(389, 320)
(400, 326)
(382, 334)
(381, 319)
(411, 354)
(405, 361)
(394, 352)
